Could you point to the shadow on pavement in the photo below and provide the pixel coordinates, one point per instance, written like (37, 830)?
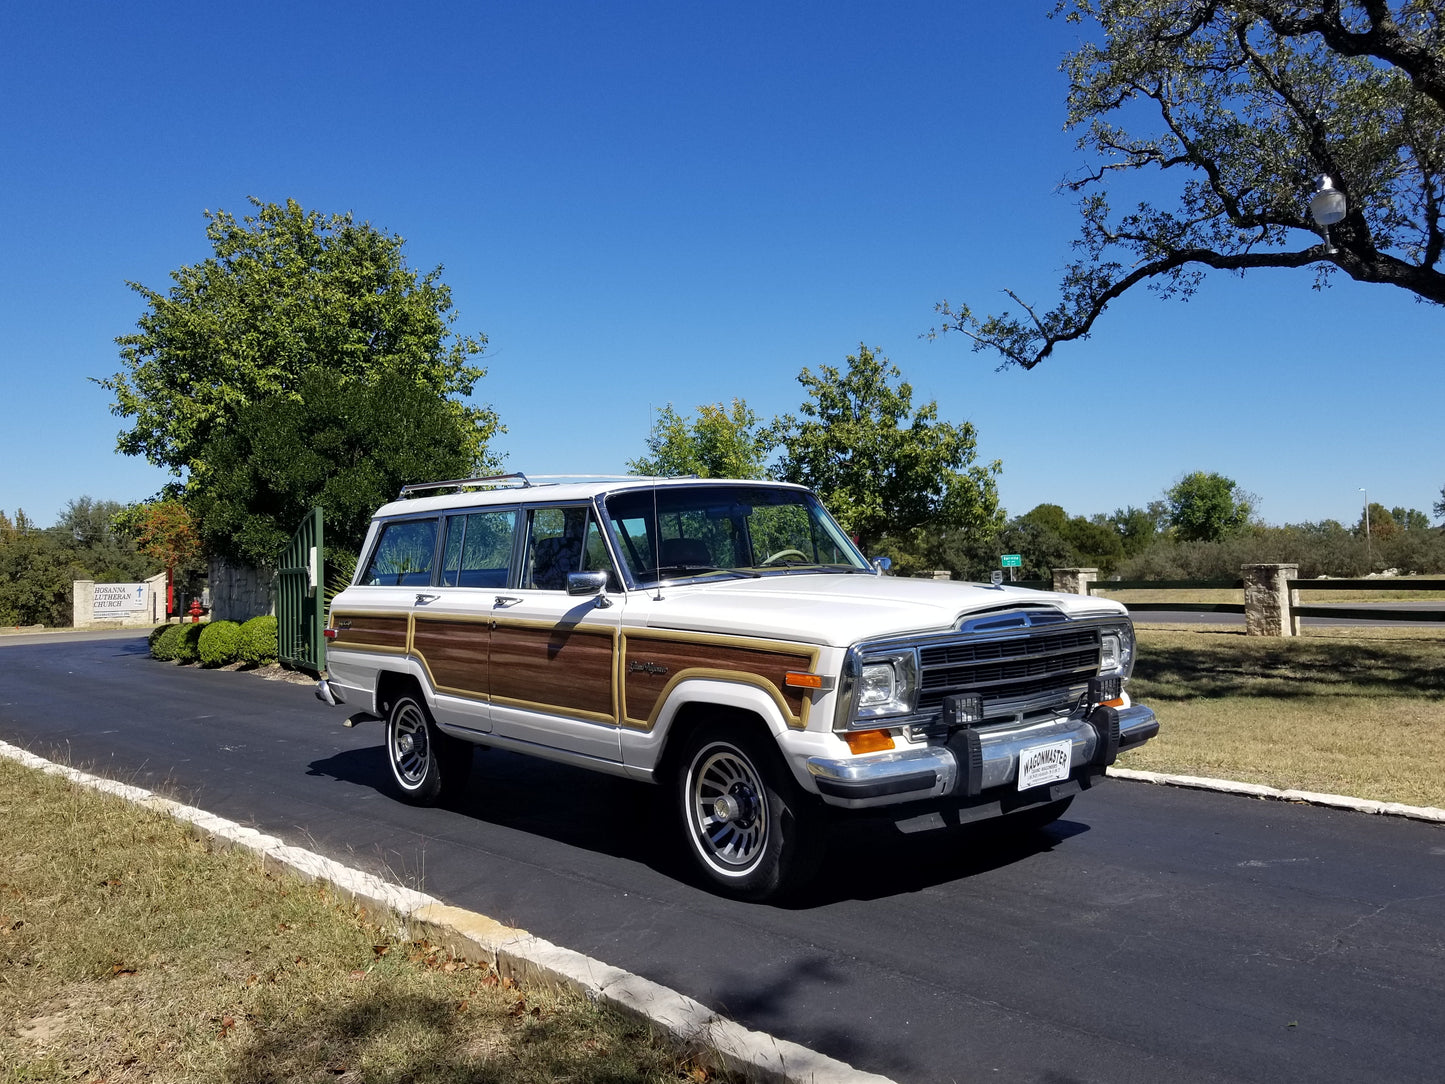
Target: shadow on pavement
(868, 858)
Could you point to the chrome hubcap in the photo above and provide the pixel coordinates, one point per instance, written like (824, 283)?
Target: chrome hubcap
(730, 820)
(409, 744)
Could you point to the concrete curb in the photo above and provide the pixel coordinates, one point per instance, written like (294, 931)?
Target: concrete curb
(1256, 790)
(512, 952)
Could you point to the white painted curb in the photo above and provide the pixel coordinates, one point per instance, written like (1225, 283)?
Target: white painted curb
(1256, 790)
(512, 952)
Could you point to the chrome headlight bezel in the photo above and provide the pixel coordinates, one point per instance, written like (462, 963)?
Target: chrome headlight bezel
(879, 687)
(1116, 650)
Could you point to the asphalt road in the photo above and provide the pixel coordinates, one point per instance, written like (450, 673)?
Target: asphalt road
(1153, 934)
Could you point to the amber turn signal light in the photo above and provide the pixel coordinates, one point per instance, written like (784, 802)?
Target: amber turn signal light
(869, 741)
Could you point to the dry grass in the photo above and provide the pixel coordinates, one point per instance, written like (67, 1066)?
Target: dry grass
(1344, 710)
(131, 952)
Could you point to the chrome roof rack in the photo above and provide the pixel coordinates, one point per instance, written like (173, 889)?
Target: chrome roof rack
(519, 480)
(497, 480)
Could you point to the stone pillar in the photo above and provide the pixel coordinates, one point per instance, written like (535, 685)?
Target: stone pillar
(941, 574)
(155, 611)
(1266, 599)
(82, 603)
(1075, 581)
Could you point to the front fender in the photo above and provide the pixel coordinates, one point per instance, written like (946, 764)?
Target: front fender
(642, 750)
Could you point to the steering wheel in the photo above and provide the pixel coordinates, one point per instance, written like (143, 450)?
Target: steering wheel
(784, 553)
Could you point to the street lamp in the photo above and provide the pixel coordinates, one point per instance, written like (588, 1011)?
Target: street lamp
(1369, 559)
(1327, 206)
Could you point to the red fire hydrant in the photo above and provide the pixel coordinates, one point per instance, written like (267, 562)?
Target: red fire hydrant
(194, 613)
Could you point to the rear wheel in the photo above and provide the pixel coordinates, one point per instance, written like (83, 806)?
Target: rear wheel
(752, 831)
(426, 764)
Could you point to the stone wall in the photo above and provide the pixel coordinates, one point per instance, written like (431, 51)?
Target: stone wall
(239, 592)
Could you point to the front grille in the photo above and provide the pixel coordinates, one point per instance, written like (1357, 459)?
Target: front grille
(1043, 671)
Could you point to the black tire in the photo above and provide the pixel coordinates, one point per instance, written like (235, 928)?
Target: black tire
(753, 832)
(1039, 816)
(426, 765)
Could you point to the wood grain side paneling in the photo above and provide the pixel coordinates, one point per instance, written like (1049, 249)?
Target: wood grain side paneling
(651, 664)
(375, 632)
(554, 667)
(454, 652)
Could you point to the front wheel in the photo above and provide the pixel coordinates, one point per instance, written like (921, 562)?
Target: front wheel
(751, 829)
(426, 764)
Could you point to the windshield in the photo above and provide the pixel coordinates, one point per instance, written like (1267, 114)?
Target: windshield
(675, 532)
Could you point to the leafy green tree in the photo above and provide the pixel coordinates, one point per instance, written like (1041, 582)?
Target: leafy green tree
(1410, 519)
(346, 446)
(1095, 542)
(1091, 543)
(35, 574)
(973, 555)
(1138, 527)
(87, 532)
(1380, 523)
(880, 466)
(1206, 507)
(1252, 101)
(718, 443)
(286, 293)
(1439, 506)
(1051, 517)
(164, 531)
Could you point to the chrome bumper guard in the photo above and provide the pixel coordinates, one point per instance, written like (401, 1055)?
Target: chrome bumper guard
(934, 770)
(330, 693)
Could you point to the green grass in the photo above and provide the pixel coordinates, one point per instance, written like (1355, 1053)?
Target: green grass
(129, 951)
(1359, 712)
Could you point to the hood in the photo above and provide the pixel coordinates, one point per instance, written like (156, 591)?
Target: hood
(839, 610)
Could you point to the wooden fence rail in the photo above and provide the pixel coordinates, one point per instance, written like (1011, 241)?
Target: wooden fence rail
(1297, 610)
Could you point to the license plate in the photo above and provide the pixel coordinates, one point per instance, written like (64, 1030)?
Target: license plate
(1042, 764)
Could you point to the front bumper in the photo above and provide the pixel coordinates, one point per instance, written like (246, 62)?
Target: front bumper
(972, 762)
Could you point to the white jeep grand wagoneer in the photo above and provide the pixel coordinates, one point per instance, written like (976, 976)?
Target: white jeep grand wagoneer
(727, 640)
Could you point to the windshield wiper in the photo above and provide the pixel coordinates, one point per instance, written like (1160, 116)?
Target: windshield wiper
(842, 569)
(706, 570)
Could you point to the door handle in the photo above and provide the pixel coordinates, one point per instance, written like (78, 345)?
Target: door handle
(506, 600)
(423, 598)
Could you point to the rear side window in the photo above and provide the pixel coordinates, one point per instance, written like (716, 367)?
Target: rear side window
(403, 556)
(479, 549)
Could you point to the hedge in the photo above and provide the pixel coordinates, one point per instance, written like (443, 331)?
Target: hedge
(258, 640)
(166, 646)
(220, 643)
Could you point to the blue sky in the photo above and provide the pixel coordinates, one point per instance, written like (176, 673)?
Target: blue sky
(670, 202)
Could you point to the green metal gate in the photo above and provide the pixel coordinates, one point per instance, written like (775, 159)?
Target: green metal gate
(300, 600)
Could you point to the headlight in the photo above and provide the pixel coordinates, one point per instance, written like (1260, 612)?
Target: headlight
(1116, 651)
(887, 685)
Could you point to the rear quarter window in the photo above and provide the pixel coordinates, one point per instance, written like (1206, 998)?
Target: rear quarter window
(403, 556)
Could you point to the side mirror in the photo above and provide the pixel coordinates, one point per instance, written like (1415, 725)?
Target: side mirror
(589, 583)
(882, 564)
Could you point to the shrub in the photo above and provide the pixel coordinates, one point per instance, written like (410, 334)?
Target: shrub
(155, 634)
(220, 643)
(258, 640)
(166, 646)
(188, 647)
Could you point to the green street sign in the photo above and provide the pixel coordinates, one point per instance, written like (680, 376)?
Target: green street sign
(1010, 560)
